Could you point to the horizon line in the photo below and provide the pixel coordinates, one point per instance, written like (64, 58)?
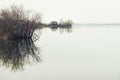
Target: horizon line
(96, 23)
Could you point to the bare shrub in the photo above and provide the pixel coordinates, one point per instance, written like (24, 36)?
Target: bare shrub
(17, 23)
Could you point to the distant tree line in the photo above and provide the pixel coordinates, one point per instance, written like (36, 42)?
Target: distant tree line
(65, 22)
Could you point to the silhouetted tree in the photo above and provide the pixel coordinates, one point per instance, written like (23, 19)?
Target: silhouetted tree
(17, 23)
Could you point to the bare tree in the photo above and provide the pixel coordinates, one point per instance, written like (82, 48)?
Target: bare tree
(15, 22)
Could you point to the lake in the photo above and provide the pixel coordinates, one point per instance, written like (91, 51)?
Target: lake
(85, 52)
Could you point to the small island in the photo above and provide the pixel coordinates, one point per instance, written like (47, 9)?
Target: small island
(67, 23)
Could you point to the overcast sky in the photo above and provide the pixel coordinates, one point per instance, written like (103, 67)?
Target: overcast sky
(80, 11)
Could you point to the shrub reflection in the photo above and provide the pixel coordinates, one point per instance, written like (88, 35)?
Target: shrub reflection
(16, 53)
(60, 28)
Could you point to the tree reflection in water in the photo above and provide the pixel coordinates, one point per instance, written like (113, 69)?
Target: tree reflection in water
(67, 29)
(16, 53)
(62, 28)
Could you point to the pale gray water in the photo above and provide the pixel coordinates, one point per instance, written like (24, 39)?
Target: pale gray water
(89, 52)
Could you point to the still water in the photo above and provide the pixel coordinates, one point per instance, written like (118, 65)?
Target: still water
(85, 52)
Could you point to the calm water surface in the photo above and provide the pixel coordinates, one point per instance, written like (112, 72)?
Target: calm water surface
(87, 52)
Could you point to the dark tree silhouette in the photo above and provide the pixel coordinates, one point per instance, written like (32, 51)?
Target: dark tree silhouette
(17, 23)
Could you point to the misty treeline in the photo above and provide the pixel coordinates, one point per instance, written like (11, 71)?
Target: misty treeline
(18, 23)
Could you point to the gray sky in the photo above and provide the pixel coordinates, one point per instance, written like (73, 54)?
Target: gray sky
(80, 11)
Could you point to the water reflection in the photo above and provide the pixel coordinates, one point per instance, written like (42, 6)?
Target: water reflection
(16, 53)
(62, 28)
(65, 29)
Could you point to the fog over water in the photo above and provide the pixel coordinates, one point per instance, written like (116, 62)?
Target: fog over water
(80, 11)
(90, 50)
(85, 52)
